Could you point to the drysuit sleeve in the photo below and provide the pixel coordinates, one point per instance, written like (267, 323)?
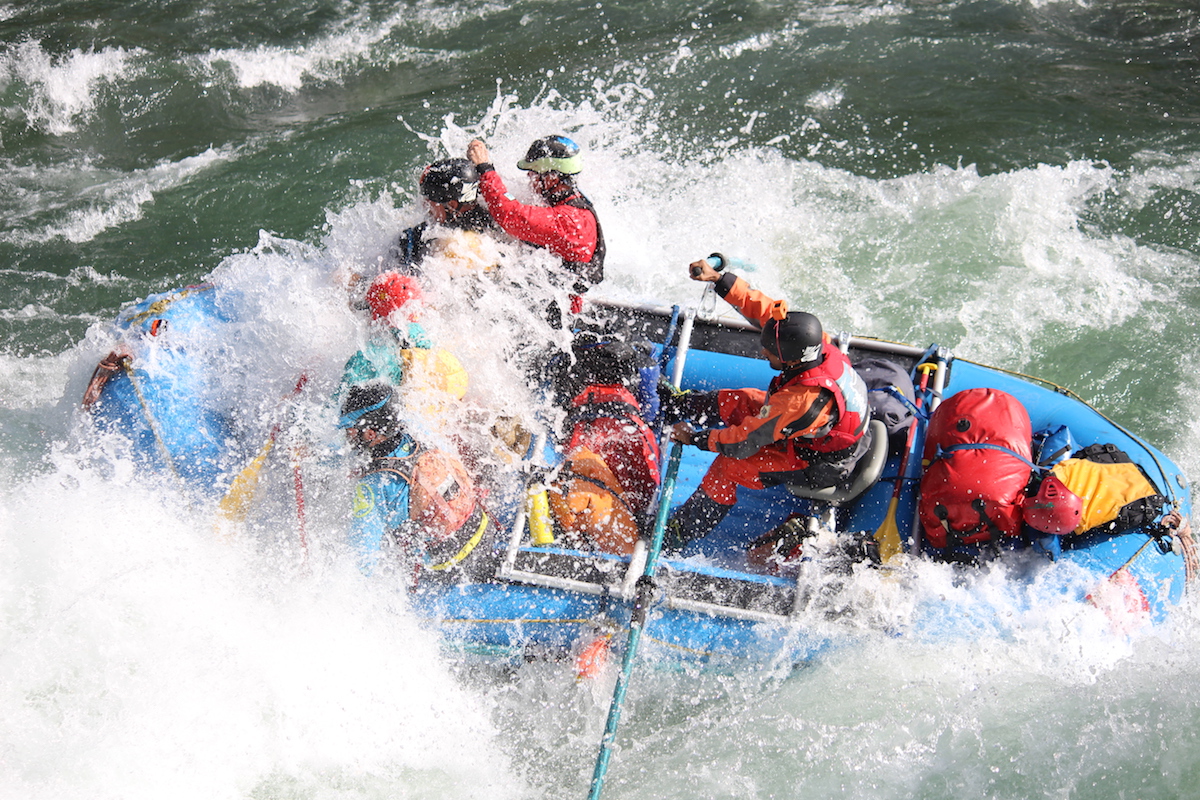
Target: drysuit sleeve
(380, 507)
(750, 302)
(791, 411)
(567, 231)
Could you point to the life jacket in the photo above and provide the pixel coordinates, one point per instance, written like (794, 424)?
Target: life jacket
(846, 391)
(442, 504)
(977, 452)
(586, 504)
(412, 248)
(436, 369)
(589, 272)
(1117, 496)
(606, 419)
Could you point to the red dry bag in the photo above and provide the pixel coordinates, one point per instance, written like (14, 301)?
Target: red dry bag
(977, 451)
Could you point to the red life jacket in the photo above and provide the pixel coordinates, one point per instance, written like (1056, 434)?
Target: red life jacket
(836, 375)
(977, 449)
(607, 420)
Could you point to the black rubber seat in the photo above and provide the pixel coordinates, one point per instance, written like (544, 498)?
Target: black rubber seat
(865, 473)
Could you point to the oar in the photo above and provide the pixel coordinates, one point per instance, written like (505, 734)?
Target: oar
(237, 500)
(644, 594)
(594, 655)
(298, 454)
(637, 621)
(887, 536)
(663, 357)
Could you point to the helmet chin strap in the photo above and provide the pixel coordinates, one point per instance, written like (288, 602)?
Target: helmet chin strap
(791, 366)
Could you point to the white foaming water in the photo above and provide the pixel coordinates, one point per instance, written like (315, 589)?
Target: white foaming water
(166, 661)
(328, 56)
(143, 657)
(62, 91)
(89, 200)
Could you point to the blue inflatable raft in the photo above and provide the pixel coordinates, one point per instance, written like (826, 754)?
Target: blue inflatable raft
(711, 606)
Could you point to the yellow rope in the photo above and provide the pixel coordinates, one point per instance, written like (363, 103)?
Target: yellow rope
(158, 306)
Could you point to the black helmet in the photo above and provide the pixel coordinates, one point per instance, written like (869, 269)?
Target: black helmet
(552, 154)
(450, 179)
(370, 405)
(796, 339)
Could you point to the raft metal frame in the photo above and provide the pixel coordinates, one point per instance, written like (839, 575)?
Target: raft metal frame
(624, 589)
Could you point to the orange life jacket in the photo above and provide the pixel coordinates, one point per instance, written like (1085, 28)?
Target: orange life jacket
(442, 502)
(585, 501)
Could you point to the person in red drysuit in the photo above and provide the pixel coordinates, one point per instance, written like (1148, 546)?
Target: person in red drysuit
(567, 226)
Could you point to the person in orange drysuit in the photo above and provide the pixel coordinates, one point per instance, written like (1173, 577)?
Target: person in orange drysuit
(809, 427)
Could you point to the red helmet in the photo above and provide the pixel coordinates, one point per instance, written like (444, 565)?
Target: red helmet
(391, 291)
(1054, 509)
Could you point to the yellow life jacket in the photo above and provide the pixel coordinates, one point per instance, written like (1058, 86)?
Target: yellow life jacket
(1107, 491)
(434, 369)
(466, 250)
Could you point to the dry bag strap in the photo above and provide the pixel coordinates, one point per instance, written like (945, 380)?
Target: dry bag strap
(470, 545)
(946, 452)
(955, 538)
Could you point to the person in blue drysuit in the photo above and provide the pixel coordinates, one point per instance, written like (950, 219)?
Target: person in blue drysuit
(381, 496)
(416, 509)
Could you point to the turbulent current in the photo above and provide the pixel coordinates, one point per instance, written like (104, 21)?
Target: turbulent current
(1018, 180)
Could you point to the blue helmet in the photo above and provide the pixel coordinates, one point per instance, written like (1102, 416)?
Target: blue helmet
(370, 405)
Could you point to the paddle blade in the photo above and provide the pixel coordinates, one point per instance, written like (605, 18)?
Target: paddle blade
(236, 503)
(887, 536)
(591, 660)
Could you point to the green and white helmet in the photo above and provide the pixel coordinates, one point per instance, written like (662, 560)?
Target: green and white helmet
(552, 154)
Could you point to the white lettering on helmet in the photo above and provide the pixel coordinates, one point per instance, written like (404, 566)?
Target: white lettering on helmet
(810, 353)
